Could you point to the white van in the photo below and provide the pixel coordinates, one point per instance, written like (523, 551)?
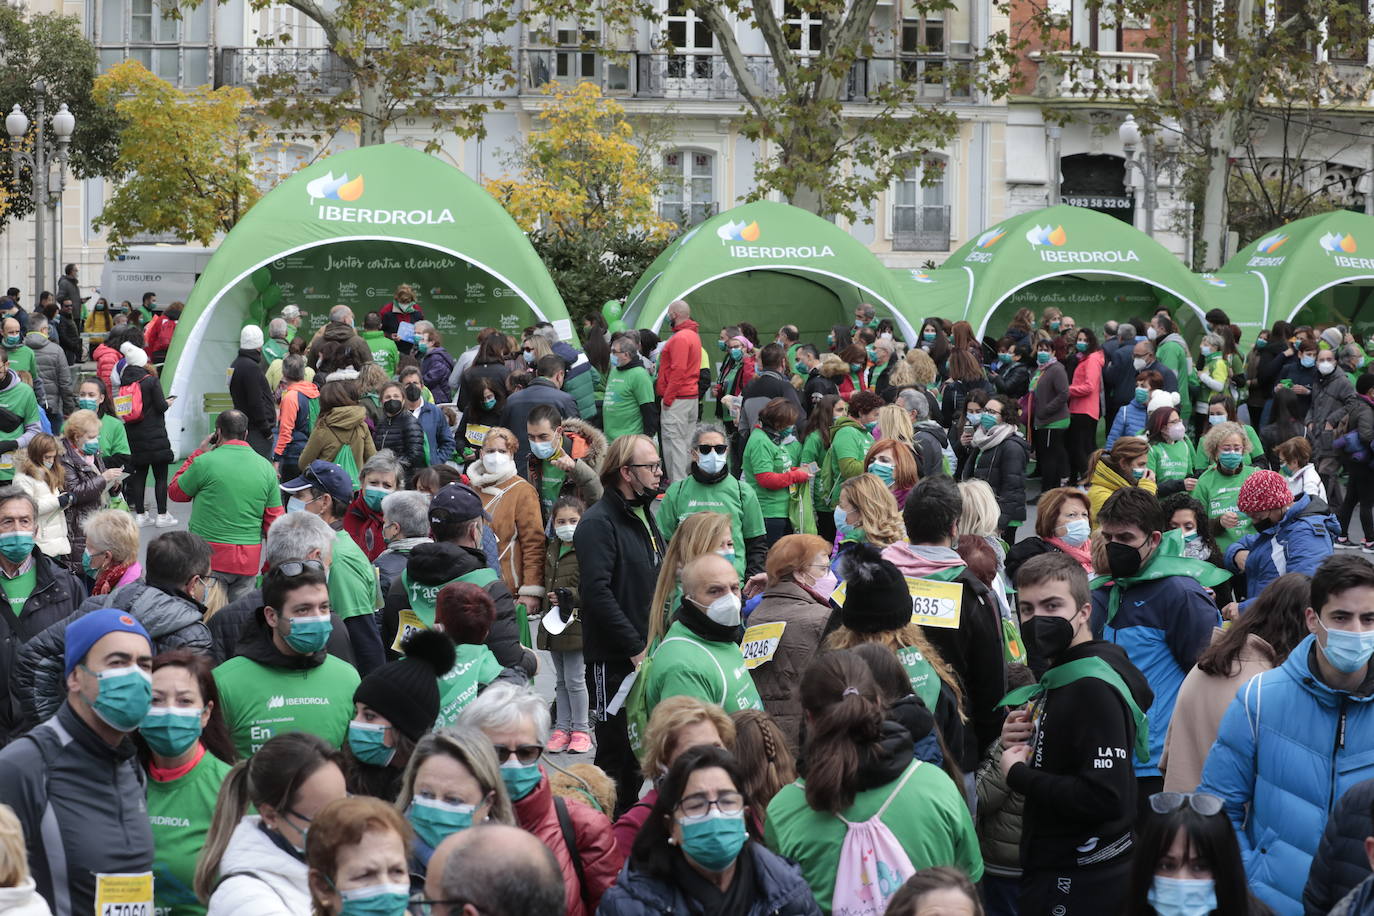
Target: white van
(168, 270)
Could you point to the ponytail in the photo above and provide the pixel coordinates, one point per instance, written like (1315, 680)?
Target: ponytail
(229, 810)
(1093, 459)
(847, 715)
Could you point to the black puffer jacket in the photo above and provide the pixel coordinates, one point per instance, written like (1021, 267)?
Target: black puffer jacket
(172, 618)
(55, 597)
(1340, 863)
(403, 435)
(148, 442)
(438, 564)
(1003, 466)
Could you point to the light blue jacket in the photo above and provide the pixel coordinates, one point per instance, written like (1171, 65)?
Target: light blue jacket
(435, 425)
(1289, 747)
(1297, 544)
(1129, 421)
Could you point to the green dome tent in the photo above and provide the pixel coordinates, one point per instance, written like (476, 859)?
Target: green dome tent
(1092, 266)
(348, 230)
(1314, 270)
(771, 264)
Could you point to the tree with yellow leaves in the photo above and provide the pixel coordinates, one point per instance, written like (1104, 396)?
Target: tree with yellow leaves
(185, 160)
(582, 171)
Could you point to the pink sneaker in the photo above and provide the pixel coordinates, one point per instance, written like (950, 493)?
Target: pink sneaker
(558, 742)
(581, 743)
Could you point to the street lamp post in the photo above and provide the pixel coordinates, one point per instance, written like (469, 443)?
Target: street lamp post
(38, 162)
(1129, 132)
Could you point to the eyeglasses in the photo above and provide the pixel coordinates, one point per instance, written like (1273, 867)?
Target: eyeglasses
(525, 754)
(699, 805)
(708, 449)
(652, 465)
(1201, 802)
(293, 568)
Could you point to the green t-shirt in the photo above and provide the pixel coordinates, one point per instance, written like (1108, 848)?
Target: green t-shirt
(475, 668)
(1172, 460)
(688, 496)
(115, 441)
(259, 701)
(1201, 462)
(21, 360)
(179, 814)
(1219, 493)
(928, 817)
(384, 352)
(20, 399)
(764, 456)
(230, 487)
(686, 665)
(18, 589)
(353, 583)
(626, 391)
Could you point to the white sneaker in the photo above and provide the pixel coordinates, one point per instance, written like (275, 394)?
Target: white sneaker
(166, 520)
(143, 519)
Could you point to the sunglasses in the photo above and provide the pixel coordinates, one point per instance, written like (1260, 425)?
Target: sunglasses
(1201, 802)
(525, 754)
(293, 568)
(708, 449)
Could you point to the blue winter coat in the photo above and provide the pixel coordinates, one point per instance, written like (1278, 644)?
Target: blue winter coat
(1129, 421)
(1298, 543)
(1288, 748)
(782, 891)
(437, 433)
(1163, 625)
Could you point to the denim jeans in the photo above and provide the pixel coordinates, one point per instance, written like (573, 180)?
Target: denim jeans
(570, 694)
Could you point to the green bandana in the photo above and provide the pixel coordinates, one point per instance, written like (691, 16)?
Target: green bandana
(1078, 669)
(1167, 561)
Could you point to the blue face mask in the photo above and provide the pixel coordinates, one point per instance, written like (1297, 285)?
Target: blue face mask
(847, 531)
(1076, 531)
(529, 357)
(727, 555)
(1229, 460)
(1183, 896)
(1142, 395)
(1347, 651)
(373, 497)
(86, 566)
(987, 420)
(520, 778)
(713, 841)
(1081, 346)
(1138, 473)
(928, 336)
(91, 447)
(1214, 419)
(367, 740)
(710, 462)
(1004, 358)
(872, 354)
(295, 504)
(87, 403)
(436, 820)
(720, 344)
(736, 353)
(126, 695)
(883, 472)
(1042, 357)
(376, 900)
(1307, 361)
(489, 403)
(309, 635)
(171, 730)
(543, 450)
(16, 545)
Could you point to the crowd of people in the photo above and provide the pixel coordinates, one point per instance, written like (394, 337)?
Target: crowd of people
(807, 650)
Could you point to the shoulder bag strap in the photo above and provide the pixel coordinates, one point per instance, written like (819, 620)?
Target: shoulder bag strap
(896, 790)
(565, 827)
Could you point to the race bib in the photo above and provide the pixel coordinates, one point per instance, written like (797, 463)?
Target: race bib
(408, 624)
(123, 405)
(7, 461)
(124, 895)
(477, 434)
(935, 603)
(761, 643)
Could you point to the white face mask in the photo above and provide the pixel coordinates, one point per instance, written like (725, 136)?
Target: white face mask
(725, 610)
(1176, 432)
(1139, 364)
(710, 462)
(1326, 368)
(498, 463)
(1151, 332)
(565, 532)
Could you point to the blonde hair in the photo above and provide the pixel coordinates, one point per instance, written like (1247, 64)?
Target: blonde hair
(908, 637)
(672, 715)
(981, 512)
(85, 422)
(470, 747)
(540, 346)
(903, 375)
(877, 510)
(1211, 443)
(923, 366)
(699, 534)
(500, 432)
(31, 461)
(895, 423)
(14, 859)
(113, 530)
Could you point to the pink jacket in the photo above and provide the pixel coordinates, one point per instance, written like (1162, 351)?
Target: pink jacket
(1085, 391)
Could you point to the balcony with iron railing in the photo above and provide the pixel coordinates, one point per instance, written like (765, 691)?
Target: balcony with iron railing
(1106, 76)
(922, 228)
(311, 69)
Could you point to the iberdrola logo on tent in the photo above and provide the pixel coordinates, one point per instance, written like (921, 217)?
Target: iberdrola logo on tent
(920, 276)
(1048, 242)
(348, 190)
(1265, 249)
(1213, 280)
(741, 231)
(1340, 246)
(980, 253)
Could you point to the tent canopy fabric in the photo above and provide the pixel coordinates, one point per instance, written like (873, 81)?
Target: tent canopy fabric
(1056, 242)
(770, 263)
(1305, 261)
(357, 222)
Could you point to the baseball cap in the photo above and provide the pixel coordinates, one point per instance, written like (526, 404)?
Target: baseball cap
(456, 502)
(86, 631)
(326, 476)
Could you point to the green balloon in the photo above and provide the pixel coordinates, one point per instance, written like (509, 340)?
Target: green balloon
(611, 310)
(616, 325)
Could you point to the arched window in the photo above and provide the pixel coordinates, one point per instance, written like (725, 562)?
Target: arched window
(689, 187)
(920, 207)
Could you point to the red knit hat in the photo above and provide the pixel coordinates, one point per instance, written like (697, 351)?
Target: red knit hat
(1263, 491)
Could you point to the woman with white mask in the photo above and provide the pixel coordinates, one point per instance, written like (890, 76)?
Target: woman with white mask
(513, 506)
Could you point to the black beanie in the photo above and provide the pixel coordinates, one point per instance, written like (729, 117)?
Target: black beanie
(876, 597)
(406, 692)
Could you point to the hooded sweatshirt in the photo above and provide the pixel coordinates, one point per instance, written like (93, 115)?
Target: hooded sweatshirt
(300, 405)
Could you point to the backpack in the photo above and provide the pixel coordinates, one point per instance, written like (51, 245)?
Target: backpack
(128, 403)
(873, 865)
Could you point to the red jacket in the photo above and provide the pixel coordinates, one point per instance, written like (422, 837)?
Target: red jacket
(158, 334)
(679, 364)
(628, 824)
(364, 526)
(1085, 391)
(601, 857)
(105, 359)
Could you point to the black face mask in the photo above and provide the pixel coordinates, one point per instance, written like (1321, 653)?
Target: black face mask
(1263, 524)
(1046, 639)
(392, 407)
(413, 392)
(1123, 560)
